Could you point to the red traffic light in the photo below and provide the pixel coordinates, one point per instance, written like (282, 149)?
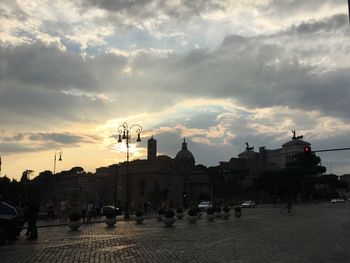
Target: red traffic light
(307, 150)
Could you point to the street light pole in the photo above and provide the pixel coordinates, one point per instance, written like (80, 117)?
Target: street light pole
(57, 151)
(124, 132)
(116, 187)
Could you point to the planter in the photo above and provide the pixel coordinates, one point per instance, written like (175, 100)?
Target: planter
(139, 219)
(74, 225)
(210, 217)
(200, 213)
(169, 221)
(192, 219)
(238, 214)
(225, 215)
(179, 215)
(217, 214)
(111, 221)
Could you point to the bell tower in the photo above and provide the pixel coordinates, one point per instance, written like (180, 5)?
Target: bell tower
(152, 149)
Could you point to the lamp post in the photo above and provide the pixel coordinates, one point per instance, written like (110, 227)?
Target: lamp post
(125, 132)
(116, 188)
(59, 152)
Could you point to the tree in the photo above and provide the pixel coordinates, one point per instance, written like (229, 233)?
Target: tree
(299, 176)
(77, 170)
(307, 164)
(25, 176)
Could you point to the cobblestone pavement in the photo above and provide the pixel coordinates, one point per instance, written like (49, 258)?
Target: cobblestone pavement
(317, 233)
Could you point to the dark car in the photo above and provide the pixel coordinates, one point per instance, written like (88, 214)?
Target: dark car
(10, 223)
(110, 209)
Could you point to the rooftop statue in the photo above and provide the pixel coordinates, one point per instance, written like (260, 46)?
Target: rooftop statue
(249, 148)
(296, 137)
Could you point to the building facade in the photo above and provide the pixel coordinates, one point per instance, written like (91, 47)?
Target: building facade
(159, 179)
(252, 164)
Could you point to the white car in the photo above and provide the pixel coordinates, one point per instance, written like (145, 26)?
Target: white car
(337, 200)
(205, 205)
(248, 204)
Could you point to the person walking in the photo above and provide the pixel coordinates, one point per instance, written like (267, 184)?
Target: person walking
(84, 210)
(50, 210)
(64, 209)
(32, 217)
(90, 209)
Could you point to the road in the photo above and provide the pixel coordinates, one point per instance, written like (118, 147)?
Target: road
(317, 233)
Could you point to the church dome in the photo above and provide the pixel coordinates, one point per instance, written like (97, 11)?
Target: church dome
(184, 156)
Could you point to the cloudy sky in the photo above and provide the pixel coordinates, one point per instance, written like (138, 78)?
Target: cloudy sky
(217, 72)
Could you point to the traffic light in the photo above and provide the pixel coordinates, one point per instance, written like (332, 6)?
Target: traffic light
(307, 151)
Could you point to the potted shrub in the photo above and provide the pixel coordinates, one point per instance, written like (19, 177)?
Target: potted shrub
(139, 217)
(169, 218)
(161, 213)
(238, 211)
(179, 213)
(217, 211)
(75, 220)
(210, 214)
(192, 215)
(226, 212)
(199, 212)
(111, 218)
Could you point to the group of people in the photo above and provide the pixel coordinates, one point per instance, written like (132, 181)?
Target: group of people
(90, 210)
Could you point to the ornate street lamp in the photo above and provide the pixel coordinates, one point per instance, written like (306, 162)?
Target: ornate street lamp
(125, 132)
(58, 152)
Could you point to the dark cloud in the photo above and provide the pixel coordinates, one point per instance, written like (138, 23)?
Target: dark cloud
(154, 8)
(64, 138)
(12, 148)
(331, 24)
(35, 142)
(260, 72)
(290, 8)
(40, 83)
(44, 66)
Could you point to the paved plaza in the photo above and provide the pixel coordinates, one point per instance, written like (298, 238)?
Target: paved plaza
(317, 233)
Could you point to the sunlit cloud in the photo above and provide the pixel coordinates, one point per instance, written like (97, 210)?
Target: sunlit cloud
(217, 72)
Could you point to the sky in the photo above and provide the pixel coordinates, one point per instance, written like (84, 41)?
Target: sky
(218, 72)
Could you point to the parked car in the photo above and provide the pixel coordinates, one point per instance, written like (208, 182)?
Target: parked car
(203, 206)
(10, 223)
(337, 200)
(248, 204)
(110, 208)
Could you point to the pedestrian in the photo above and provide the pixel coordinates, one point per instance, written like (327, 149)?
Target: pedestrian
(145, 206)
(32, 217)
(84, 210)
(90, 209)
(132, 207)
(97, 209)
(25, 216)
(64, 209)
(50, 210)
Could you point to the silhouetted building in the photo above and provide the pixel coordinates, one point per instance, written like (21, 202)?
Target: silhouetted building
(250, 164)
(160, 178)
(151, 149)
(278, 158)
